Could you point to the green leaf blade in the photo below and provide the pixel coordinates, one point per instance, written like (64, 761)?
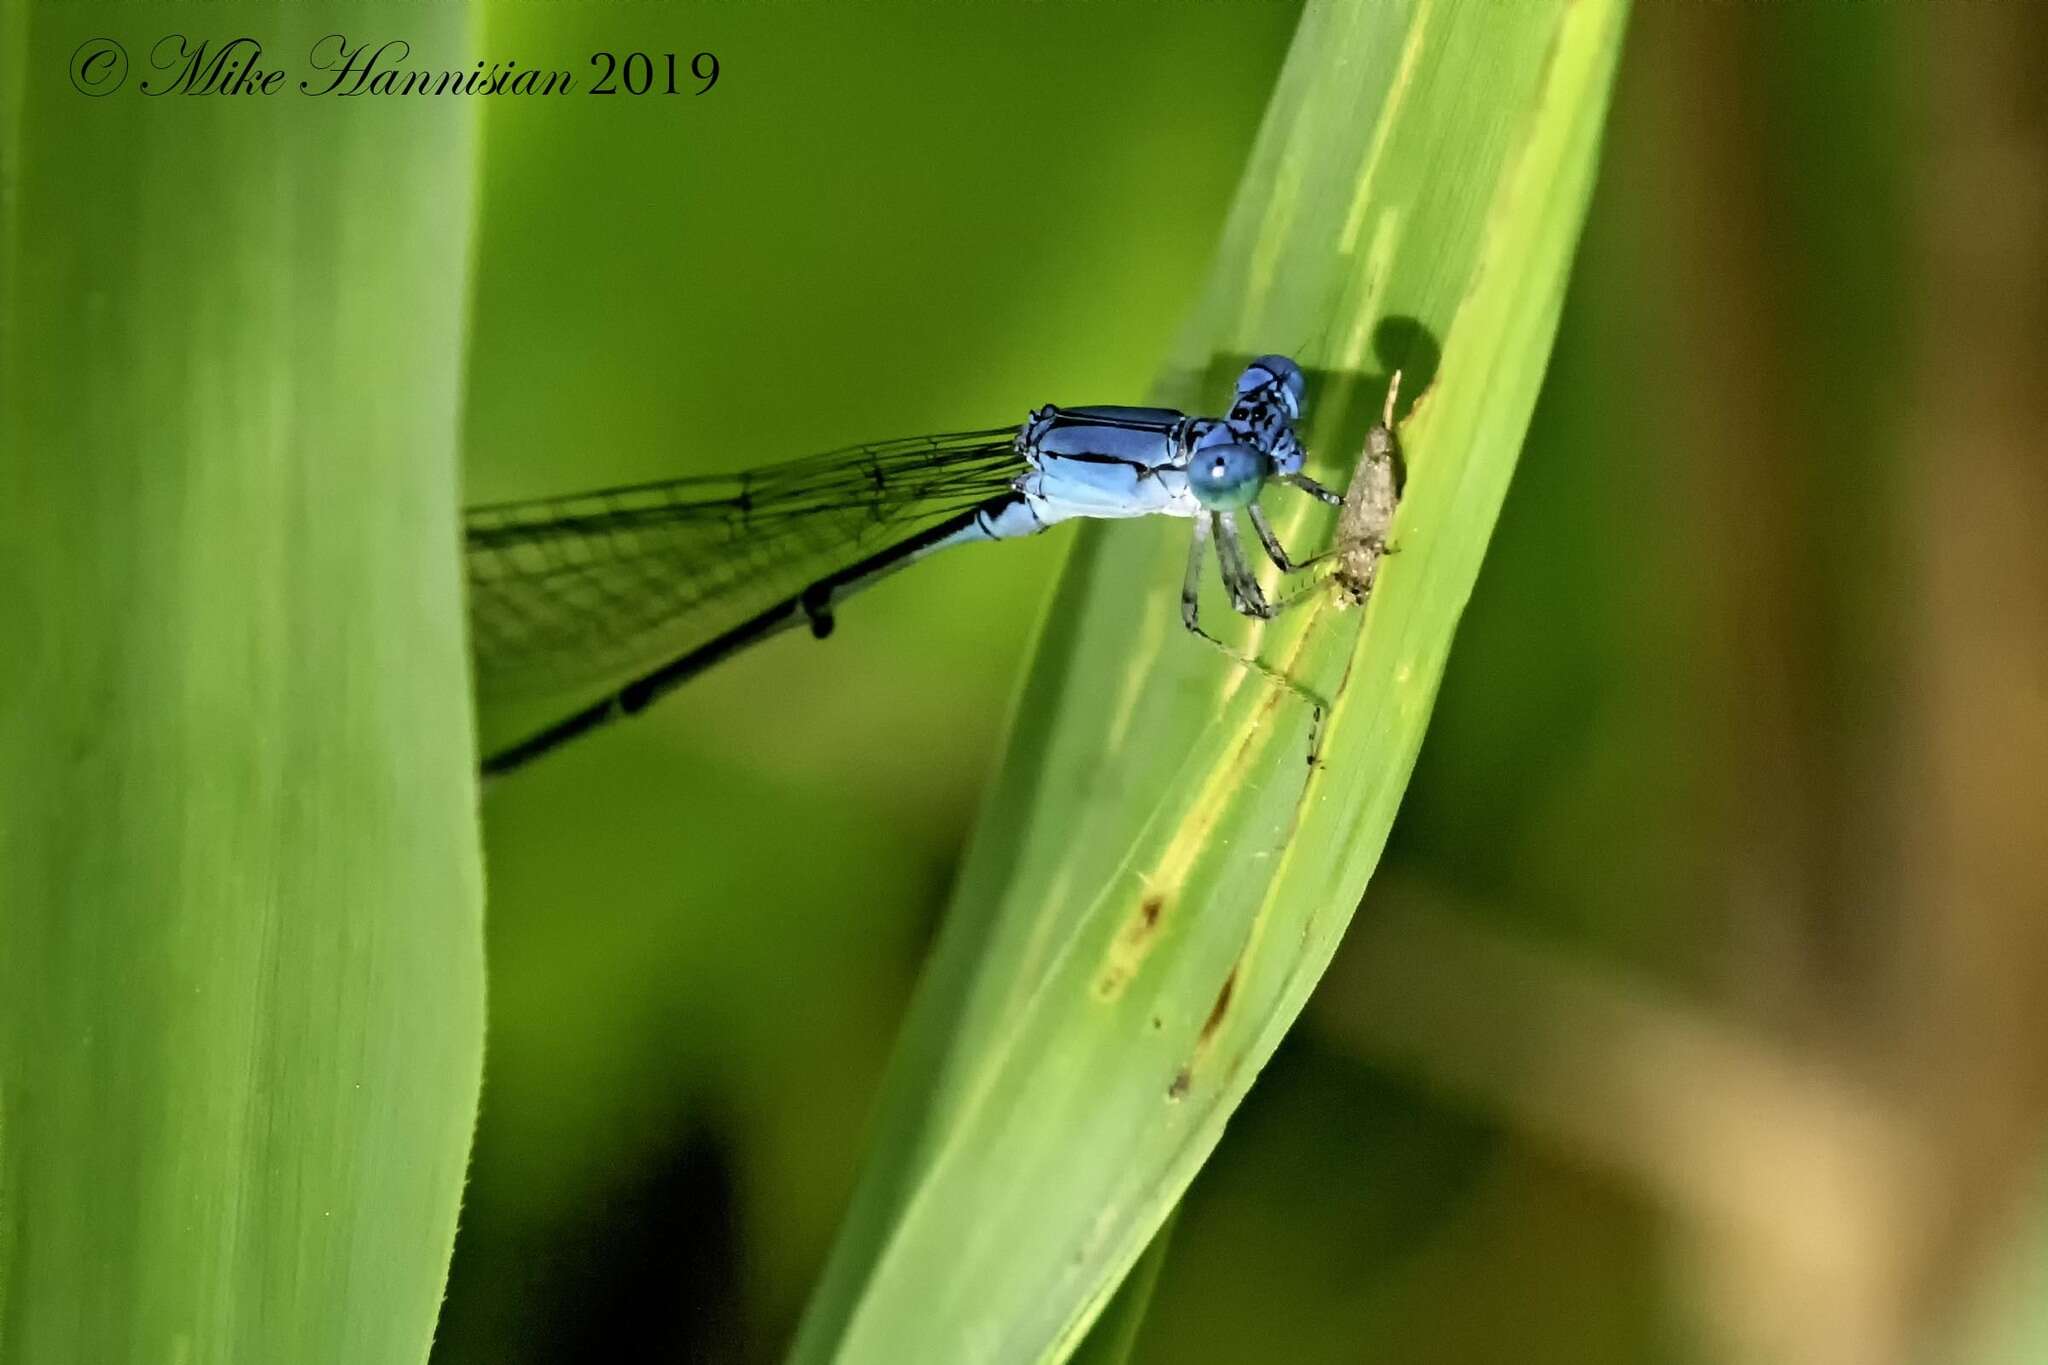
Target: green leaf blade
(1161, 877)
(240, 892)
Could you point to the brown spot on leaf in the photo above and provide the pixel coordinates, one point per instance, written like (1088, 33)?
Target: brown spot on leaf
(1182, 1079)
(1221, 1007)
(1132, 943)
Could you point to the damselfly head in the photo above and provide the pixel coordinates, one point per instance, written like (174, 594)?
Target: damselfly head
(1274, 379)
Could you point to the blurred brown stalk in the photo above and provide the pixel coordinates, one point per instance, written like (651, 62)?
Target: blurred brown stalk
(1825, 1064)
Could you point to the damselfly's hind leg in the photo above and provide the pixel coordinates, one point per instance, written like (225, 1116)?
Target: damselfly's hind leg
(1191, 581)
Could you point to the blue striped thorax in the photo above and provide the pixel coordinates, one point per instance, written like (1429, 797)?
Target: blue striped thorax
(1135, 462)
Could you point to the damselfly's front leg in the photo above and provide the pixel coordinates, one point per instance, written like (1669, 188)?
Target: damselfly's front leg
(1314, 489)
(1246, 594)
(1247, 597)
(1277, 552)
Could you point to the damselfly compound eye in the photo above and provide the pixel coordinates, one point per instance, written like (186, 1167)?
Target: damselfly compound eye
(1224, 478)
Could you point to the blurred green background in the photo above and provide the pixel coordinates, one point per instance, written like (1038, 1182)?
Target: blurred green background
(1696, 1010)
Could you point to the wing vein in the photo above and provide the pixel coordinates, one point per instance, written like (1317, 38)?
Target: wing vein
(568, 592)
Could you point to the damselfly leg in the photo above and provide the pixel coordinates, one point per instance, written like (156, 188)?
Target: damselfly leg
(1241, 583)
(1239, 580)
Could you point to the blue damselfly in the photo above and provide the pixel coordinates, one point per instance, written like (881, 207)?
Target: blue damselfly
(634, 590)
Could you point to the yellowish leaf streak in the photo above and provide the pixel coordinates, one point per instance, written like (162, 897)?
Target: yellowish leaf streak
(1233, 985)
(1144, 656)
(1128, 950)
(1272, 239)
(1379, 260)
(1368, 174)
